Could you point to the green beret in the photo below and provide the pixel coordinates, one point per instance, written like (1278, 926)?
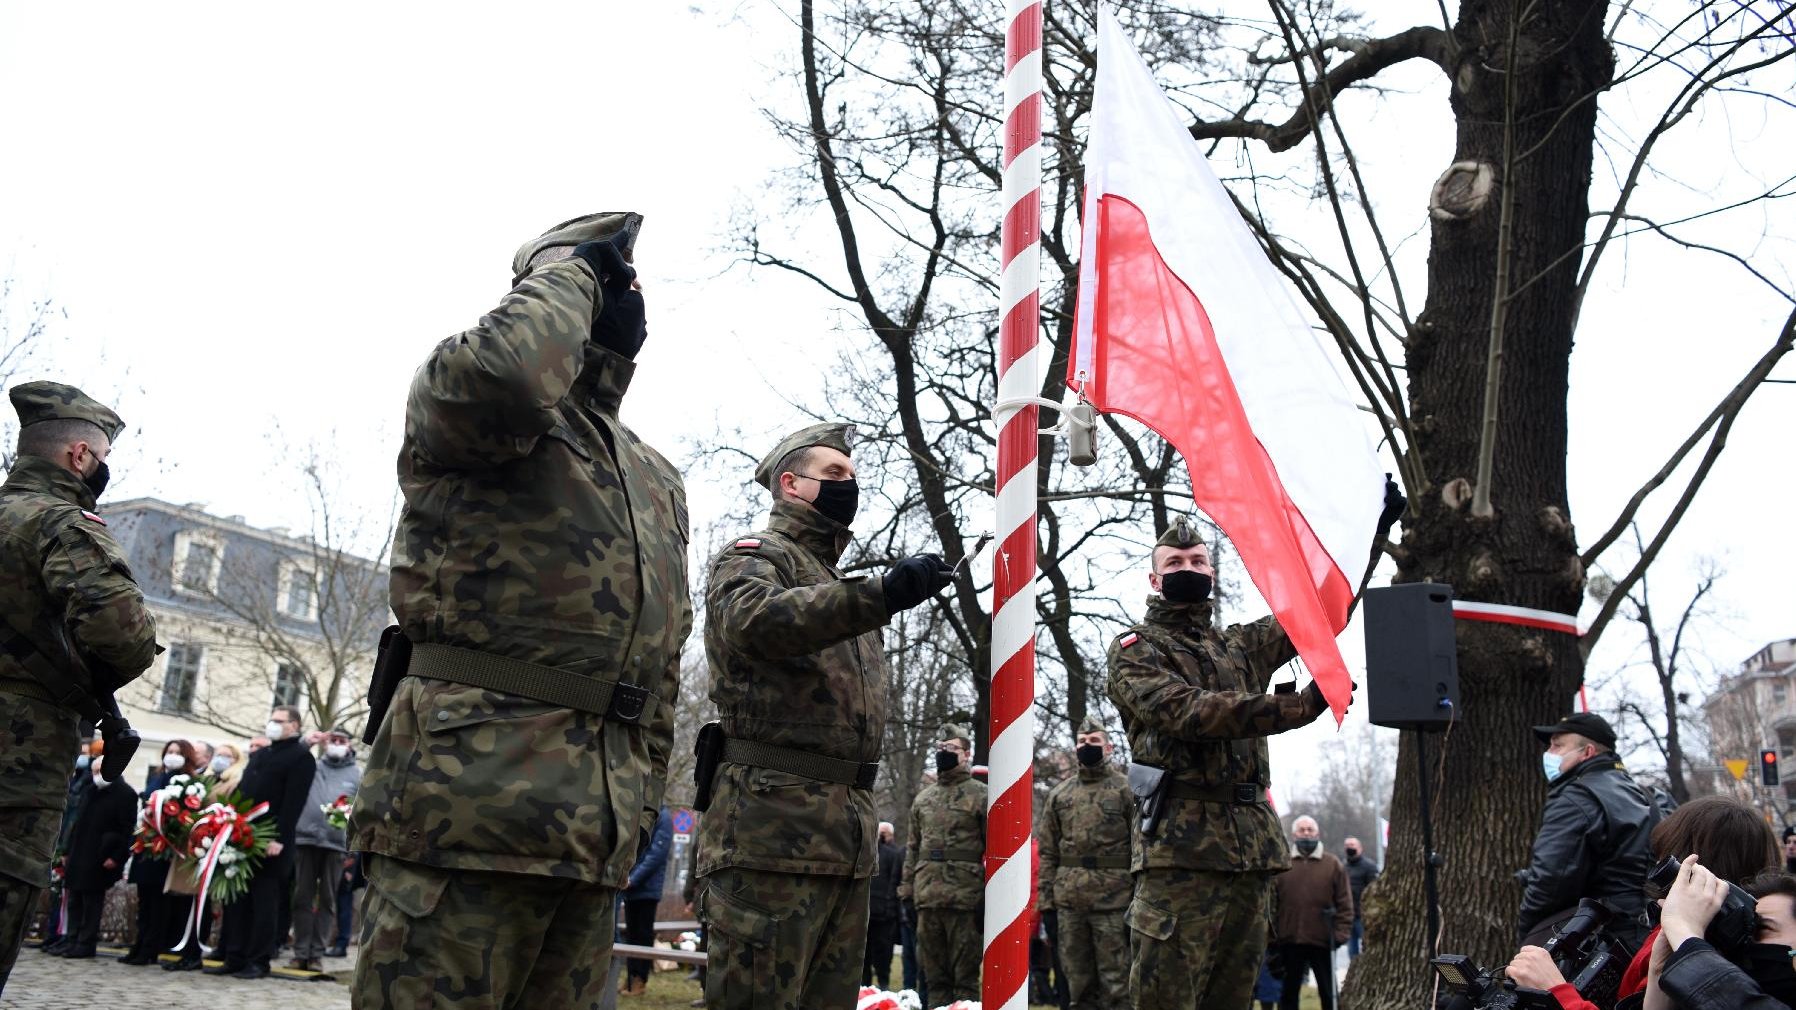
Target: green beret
(53, 401)
(586, 228)
(952, 731)
(1090, 724)
(1181, 534)
(834, 435)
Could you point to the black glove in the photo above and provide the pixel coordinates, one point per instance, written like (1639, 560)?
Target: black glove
(620, 324)
(914, 580)
(1394, 503)
(1314, 702)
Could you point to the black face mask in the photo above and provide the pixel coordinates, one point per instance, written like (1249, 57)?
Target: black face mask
(1185, 586)
(1090, 754)
(1352, 854)
(837, 499)
(1769, 965)
(1308, 845)
(96, 481)
(945, 760)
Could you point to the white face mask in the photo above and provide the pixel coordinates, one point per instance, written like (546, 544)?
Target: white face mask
(274, 730)
(336, 751)
(219, 764)
(173, 762)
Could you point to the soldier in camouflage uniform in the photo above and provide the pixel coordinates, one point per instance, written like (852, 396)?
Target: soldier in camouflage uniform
(788, 847)
(74, 624)
(540, 570)
(1194, 702)
(944, 872)
(1084, 830)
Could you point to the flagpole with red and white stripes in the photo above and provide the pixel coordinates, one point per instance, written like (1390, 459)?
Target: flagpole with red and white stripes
(1009, 887)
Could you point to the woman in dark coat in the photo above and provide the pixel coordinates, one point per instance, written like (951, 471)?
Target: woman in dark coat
(151, 875)
(99, 844)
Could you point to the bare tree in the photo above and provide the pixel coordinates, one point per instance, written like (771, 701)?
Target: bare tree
(23, 325)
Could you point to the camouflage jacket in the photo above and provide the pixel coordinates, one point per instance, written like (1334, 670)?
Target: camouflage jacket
(1194, 702)
(536, 527)
(797, 661)
(63, 579)
(944, 863)
(1086, 819)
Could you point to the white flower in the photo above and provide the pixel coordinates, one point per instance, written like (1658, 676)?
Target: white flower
(228, 856)
(230, 871)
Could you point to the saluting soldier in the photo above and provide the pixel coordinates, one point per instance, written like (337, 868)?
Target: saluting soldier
(1084, 831)
(73, 630)
(788, 846)
(944, 872)
(1194, 702)
(540, 574)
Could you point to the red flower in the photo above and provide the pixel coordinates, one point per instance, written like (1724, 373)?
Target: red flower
(169, 809)
(193, 802)
(343, 799)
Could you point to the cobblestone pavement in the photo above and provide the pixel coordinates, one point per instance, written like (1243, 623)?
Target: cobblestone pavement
(53, 983)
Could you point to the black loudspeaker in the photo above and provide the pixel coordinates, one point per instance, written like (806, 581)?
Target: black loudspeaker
(1412, 663)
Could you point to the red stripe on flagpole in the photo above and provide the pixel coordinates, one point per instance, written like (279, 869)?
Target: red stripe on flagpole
(1022, 226)
(1022, 37)
(1008, 824)
(1022, 128)
(1007, 974)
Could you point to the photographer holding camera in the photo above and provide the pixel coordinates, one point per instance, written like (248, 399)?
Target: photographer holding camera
(1688, 972)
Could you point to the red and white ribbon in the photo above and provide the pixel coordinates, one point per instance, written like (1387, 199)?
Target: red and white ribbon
(1500, 613)
(217, 822)
(1010, 808)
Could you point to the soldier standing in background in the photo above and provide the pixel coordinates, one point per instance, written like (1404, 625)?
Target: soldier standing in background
(539, 575)
(1193, 699)
(944, 870)
(1084, 830)
(74, 630)
(787, 847)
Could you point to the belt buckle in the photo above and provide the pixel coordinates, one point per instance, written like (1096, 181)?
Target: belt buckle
(938, 855)
(1088, 862)
(627, 703)
(1247, 792)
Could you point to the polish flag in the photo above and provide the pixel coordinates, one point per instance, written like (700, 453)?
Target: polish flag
(1186, 326)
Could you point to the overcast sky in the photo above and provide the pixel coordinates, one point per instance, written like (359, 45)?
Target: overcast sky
(258, 219)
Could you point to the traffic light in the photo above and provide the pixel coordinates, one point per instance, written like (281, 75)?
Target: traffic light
(1768, 767)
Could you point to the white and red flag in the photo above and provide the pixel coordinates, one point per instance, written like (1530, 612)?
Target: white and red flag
(1186, 326)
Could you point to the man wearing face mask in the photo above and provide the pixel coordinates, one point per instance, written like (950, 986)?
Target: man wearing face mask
(1314, 914)
(1193, 699)
(280, 775)
(1594, 837)
(788, 847)
(1361, 871)
(73, 629)
(1084, 830)
(944, 872)
(539, 577)
(318, 852)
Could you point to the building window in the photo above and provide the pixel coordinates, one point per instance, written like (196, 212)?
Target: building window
(1778, 693)
(197, 557)
(286, 685)
(180, 677)
(296, 594)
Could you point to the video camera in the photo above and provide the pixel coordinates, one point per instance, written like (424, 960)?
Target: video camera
(1587, 955)
(1734, 926)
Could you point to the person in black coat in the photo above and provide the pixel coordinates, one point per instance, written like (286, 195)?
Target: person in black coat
(1594, 834)
(280, 775)
(99, 844)
(150, 876)
(883, 910)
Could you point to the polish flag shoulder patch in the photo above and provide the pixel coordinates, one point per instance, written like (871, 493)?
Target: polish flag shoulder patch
(92, 517)
(1127, 640)
(748, 544)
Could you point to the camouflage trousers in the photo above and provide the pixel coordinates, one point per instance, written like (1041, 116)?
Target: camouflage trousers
(1094, 954)
(18, 901)
(1199, 936)
(474, 940)
(783, 941)
(950, 945)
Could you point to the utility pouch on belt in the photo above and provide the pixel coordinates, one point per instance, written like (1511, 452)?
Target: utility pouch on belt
(708, 752)
(394, 658)
(1149, 786)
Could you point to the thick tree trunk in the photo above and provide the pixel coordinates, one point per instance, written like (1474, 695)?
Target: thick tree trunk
(1488, 785)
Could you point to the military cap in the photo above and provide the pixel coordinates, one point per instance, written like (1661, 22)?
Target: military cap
(1090, 724)
(585, 228)
(953, 731)
(53, 401)
(340, 731)
(1181, 534)
(835, 435)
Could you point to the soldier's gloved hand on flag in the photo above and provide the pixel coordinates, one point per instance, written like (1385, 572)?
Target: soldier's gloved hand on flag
(1314, 703)
(621, 323)
(914, 580)
(1394, 504)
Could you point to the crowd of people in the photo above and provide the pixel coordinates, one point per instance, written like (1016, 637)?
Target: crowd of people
(301, 895)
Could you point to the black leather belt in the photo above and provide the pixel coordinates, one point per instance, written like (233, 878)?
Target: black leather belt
(859, 774)
(1241, 793)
